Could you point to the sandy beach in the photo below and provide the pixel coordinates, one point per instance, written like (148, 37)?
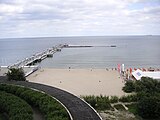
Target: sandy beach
(81, 81)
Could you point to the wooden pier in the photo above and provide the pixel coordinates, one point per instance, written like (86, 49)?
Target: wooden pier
(28, 64)
(38, 57)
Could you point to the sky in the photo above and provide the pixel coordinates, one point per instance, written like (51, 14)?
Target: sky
(54, 18)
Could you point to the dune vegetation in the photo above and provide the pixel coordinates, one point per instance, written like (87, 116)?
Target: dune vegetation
(143, 100)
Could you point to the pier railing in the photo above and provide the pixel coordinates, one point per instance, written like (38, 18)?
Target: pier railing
(37, 57)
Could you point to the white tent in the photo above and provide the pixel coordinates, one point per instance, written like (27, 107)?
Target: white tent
(138, 74)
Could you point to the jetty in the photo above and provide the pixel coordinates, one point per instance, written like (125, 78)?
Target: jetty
(38, 57)
(28, 64)
(86, 46)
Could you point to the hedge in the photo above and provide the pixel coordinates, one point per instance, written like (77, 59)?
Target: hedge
(50, 107)
(16, 108)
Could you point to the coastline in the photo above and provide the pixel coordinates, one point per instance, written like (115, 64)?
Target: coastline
(81, 81)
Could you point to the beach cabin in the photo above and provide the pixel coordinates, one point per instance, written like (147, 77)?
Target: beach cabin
(152, 74)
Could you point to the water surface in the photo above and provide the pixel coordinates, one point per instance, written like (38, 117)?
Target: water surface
(133, 51)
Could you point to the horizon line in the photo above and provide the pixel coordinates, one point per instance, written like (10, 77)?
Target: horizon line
(75, 36)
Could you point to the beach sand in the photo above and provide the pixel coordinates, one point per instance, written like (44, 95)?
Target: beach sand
(81, 81)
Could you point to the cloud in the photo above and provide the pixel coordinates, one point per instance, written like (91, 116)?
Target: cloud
(10, 9)
(20, 18)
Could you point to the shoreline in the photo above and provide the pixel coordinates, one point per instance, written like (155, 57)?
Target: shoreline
(81, 81)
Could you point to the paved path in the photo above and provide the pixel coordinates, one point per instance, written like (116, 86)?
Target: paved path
(79, 109)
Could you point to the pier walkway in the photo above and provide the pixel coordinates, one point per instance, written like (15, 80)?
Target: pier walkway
(37, 57)
(79, 109)
(28, 64)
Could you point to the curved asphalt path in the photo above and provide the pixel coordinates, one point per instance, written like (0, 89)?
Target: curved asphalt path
(78, 108)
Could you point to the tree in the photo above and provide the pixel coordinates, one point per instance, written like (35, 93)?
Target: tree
(147, 85)
(16, 74)
(129, 87)
(149, 106)
(148, 96)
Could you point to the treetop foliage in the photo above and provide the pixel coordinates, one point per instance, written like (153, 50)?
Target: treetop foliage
(148, 96)
(16, 74)
(146, 84)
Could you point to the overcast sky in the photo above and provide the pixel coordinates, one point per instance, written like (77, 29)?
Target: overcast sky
(31, 18)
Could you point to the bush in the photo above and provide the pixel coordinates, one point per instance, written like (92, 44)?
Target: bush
(3, 116)
(16, 74)
(129, 87)
(132, 108)
(148, 94)
(128, 98)
(103, 103)
(98, 102)
(51, 108)
(144, 85)
(91, 100)
(113, 99)
(147, 97)
(149, 106)
(16, 108)
(148, 85)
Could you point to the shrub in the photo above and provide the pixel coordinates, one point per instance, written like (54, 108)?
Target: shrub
(16, 74)
(98, 102)
(3, 116)
(132, 108)
(148, 85)
(113, 99)
(91, 100)
(147, 97)
(103, 103)
(128, 98)
(51, 108)
(149, 106)
(16, 108)
(129, 87)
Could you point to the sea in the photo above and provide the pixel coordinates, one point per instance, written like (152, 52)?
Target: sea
(132, 51)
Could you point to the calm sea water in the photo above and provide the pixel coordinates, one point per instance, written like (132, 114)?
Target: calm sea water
(133, 51)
